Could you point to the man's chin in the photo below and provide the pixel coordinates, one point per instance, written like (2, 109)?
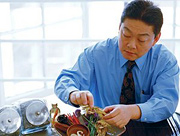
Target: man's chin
(129, 57)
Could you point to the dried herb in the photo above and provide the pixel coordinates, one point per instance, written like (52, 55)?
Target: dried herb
(94, 115)
(91, 126)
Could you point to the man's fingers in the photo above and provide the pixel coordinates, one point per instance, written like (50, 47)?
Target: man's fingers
(90, 99)
(73, 99)
(111, 114)
(108, 109)
(84, 98)
(78, 98)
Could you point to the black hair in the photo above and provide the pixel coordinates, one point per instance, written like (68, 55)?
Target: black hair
(145, 11)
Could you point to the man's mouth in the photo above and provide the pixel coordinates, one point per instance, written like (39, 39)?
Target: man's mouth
(128, 52)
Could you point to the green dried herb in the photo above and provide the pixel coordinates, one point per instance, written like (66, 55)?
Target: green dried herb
(91, 126)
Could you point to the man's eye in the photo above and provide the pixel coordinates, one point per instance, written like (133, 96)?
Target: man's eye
(142, 41)
(127, 36)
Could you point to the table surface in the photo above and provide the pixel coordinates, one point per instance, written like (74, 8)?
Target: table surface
(169, 127)
(48, 132)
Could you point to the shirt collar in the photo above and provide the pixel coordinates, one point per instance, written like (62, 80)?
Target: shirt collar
(122, 59)
(139, 62)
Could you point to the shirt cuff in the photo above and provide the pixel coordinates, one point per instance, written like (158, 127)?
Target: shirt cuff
(145, 112)
(69, 90)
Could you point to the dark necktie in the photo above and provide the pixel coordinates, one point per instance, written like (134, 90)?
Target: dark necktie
(128, 89)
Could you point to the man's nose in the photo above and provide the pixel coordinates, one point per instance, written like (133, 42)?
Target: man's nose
(132, 43)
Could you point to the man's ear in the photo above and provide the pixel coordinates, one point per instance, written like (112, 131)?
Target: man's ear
(156, 39)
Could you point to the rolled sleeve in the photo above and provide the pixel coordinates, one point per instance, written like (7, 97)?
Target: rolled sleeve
(67, 93)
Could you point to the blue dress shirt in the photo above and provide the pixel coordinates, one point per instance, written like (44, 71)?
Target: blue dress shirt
(101, 69)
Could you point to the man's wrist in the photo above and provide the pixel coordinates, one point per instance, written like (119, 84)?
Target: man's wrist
(135, 112)
(75, 105)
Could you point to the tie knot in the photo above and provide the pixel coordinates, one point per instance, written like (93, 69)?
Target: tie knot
(131, 64)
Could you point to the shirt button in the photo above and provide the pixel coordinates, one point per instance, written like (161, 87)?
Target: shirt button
(145, 119)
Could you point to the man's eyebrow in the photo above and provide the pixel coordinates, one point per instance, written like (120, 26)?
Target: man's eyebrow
(127, 29)
(144, 34)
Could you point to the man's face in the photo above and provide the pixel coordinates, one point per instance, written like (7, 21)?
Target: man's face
(136, 38)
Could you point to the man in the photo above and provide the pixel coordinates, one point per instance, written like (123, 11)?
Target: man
(97, 77)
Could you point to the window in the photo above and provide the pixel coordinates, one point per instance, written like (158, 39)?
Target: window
(39, 39)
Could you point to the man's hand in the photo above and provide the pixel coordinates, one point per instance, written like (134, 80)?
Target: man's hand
(120, 115)
(82, 98)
